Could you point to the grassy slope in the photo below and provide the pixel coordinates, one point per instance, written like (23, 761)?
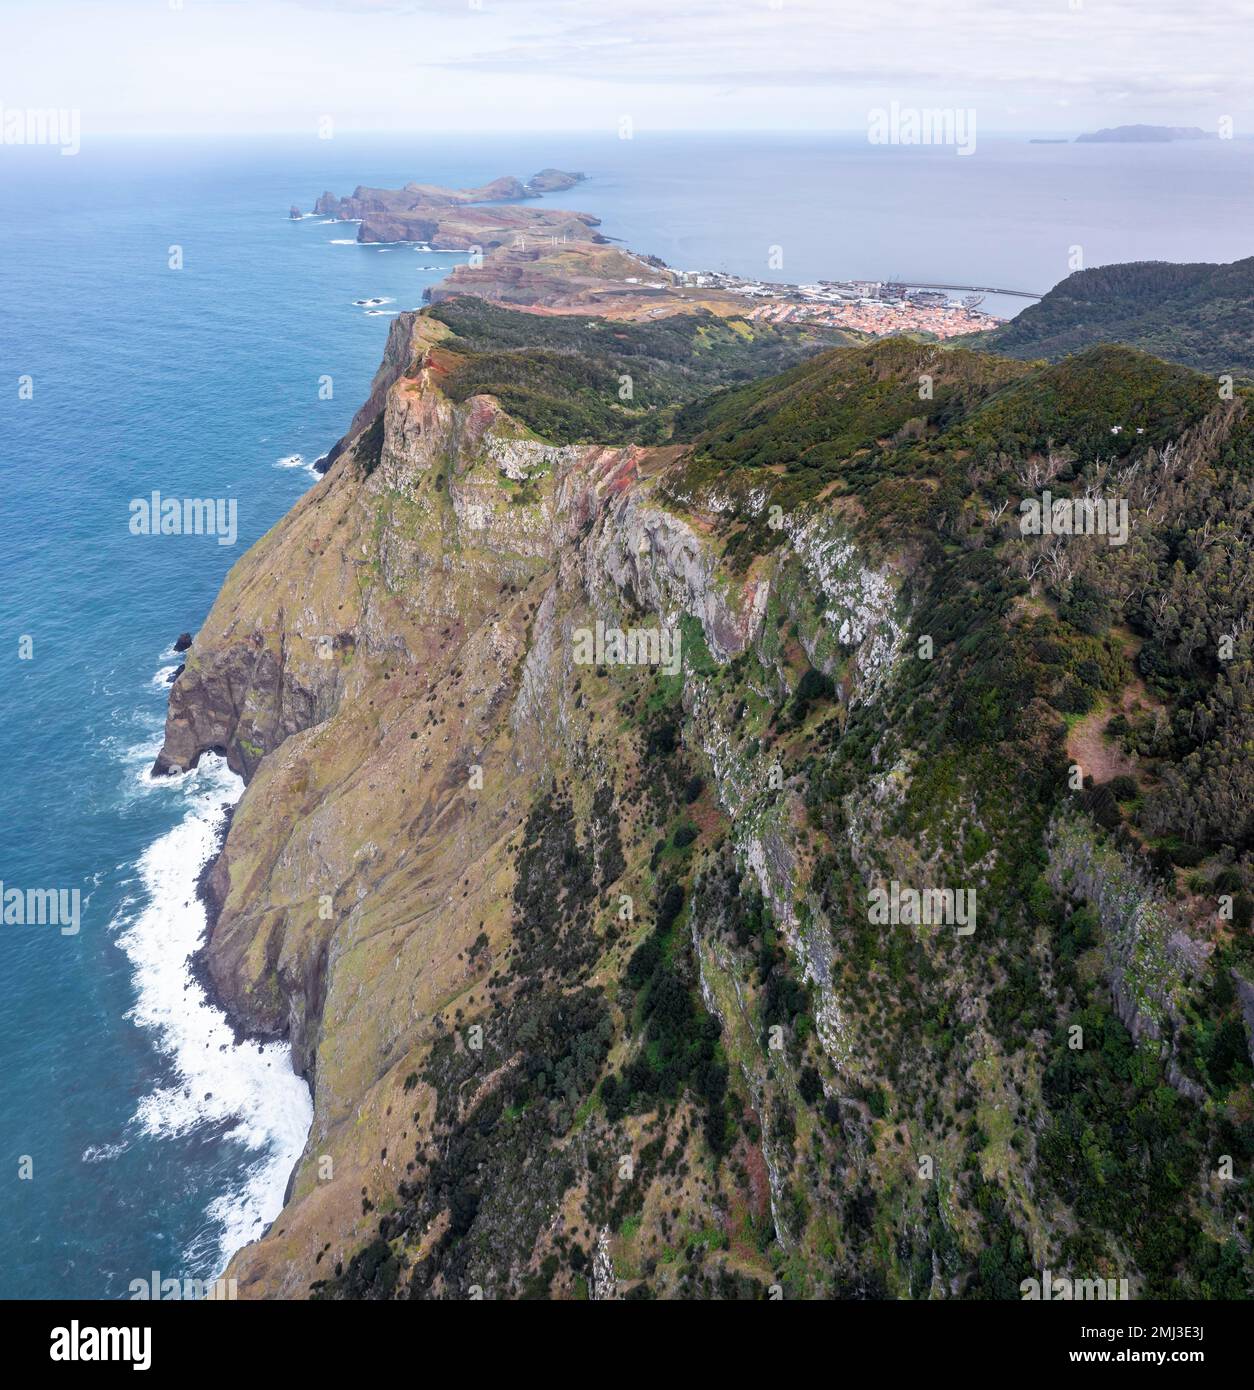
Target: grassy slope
(581, 379)
(960, 1054)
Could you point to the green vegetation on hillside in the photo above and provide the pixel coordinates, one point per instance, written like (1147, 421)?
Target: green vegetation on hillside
(1200, 315)
(574, 378)
(1060, 725)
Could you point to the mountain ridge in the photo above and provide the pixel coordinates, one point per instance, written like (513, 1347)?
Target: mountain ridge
(578, 958)
(1198, 314)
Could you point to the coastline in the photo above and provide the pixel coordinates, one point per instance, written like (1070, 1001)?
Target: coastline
(214, 1073)
(201, 973)
(565, 271)
(199, 966)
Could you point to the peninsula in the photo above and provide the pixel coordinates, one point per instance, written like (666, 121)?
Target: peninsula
(461, 218)
(577, 958)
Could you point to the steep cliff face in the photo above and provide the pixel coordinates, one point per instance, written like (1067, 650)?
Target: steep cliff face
(575, 950)
(262, 668)
(393, 670)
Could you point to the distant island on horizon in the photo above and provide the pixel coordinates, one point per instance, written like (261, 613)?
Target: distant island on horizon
(1129, 135)
(1143, 135)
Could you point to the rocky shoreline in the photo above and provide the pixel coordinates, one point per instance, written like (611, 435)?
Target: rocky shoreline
(211, 901)
(461, 219)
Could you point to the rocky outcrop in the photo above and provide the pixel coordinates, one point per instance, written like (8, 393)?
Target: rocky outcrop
(553, 181)
(604, 1285)
(637, 550)
(450, 218)
(391, 670)
(1152, 959)
(1245, 997)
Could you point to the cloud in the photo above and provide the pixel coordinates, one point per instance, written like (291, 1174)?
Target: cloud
(262, 65)
(1112, 49)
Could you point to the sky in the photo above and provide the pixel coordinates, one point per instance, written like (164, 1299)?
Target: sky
(279, 66)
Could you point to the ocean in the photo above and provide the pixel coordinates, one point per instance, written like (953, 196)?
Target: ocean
(139, 1136)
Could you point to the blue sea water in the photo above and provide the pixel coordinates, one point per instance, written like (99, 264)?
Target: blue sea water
(151, 1140)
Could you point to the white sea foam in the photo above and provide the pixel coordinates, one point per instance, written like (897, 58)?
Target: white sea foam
(248, 1089)
(136, 759)
(343, 241)
(101, 1153)
(162, 678)
(300, 461)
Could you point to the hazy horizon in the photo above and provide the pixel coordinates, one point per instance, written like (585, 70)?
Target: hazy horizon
(218, 67)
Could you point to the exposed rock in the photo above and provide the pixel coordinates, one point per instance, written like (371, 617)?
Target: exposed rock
(1245, 996)
(1152, 961)
(604, 1284)
(450, 824)
(448, 217)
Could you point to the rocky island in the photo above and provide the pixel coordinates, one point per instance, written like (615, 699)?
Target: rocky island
(1145, 135)
(456, 218)
(577, 956)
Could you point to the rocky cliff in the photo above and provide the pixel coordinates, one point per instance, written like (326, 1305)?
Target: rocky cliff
(450, 218)
(575, 949)
(393, 670)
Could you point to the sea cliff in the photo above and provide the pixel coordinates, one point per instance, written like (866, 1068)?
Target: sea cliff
(577, 956)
